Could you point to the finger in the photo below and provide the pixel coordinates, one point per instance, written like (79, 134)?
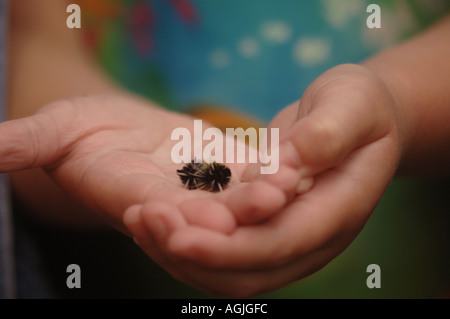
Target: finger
(133, 221)
(287, 179)
(337, 207)
(208, 213)
(231, 283)
(37, 140)
(305, 185)
(338, 124)
(253, 282)
(161, 218)
(27, 143)
(176, 270)
(254, 202)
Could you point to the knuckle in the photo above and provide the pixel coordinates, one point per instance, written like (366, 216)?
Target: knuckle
(323, 140)
(64, 106)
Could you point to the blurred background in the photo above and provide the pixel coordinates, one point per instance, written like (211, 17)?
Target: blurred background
(237, 63)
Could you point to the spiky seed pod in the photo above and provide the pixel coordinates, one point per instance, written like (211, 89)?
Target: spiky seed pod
(212, 177)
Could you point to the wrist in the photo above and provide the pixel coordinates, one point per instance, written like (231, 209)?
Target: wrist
(403, 112)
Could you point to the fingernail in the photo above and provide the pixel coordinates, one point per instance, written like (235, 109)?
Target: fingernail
(158, 228)
(132, 215)
(289, 155)
(305, 185)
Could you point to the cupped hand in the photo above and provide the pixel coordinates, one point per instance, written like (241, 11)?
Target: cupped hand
(114, 151)
(342, 142)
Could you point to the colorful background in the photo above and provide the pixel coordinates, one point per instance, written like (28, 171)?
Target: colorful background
(237, 63)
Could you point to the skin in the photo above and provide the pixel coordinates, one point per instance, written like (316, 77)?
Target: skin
(312, 228)
(354, 128)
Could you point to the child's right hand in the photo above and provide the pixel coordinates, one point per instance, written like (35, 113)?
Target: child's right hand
(345, 134)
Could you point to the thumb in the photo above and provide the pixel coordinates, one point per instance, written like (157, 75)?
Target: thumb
(37, 140)
(335, 126)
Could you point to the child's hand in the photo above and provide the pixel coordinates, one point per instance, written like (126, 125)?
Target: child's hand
(345, 134)
(114, 151)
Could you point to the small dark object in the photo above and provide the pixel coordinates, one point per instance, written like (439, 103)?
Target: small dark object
(212, 177)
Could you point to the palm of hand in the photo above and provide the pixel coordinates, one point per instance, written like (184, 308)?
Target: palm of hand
(110, 152)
